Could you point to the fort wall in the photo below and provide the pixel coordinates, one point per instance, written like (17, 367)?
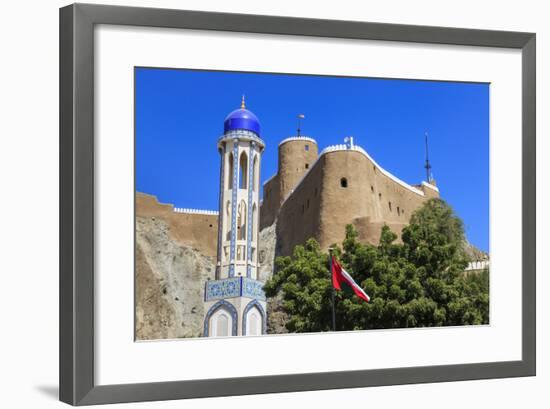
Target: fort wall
(346, 186)
(196, 229)
(271, 202)
(299, 216)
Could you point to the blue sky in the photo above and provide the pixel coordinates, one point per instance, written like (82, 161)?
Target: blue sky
(180, 113)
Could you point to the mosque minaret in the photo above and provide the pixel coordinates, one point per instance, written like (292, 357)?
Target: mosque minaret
(235, 301)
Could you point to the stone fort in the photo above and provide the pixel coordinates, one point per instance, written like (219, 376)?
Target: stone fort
(314, 194)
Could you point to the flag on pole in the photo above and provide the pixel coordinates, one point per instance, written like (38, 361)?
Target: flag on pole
(341, 277)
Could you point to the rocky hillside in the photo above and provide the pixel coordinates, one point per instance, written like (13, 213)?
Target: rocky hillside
(170, 279)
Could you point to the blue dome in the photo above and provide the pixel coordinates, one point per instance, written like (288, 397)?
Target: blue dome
(241, 118)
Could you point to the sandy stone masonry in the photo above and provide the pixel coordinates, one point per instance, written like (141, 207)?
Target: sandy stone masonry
(317, 195)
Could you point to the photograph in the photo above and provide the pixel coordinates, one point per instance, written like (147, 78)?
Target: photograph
(282, 203)
(206, 203)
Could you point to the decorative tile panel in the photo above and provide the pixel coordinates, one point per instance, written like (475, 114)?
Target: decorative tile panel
(234, 287)
(220, 289)
(253, 289)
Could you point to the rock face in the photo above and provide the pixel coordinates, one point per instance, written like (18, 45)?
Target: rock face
(170, 280)
(276, 316)
(268, 242)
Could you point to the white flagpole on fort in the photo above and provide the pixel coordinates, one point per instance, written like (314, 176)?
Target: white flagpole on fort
(299, 130)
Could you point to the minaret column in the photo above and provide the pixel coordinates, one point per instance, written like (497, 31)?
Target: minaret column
(235, 302)
(250, 225)
(234, 199)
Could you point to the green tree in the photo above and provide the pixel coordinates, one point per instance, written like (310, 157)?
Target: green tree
(416, 283)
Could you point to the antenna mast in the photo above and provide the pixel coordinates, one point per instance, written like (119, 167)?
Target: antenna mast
(427, 166)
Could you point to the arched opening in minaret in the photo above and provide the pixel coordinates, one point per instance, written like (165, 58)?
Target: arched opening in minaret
(255, 174)
(228, 220)
(243, 171)
(255, 233)
(230, 175)
(254, 322)
(220, 323)
(241, 222)
(254, 218)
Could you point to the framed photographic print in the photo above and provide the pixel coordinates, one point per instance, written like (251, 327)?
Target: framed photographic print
(254, 204)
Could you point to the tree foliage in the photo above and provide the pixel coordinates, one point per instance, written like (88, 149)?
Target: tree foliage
(416, 283)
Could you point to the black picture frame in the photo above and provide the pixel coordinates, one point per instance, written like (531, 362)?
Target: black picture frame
(76, 42)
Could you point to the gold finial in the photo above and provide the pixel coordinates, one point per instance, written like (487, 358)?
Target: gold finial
(243, 106)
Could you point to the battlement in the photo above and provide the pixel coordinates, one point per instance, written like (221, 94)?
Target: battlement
(298, 138)
(195, 211)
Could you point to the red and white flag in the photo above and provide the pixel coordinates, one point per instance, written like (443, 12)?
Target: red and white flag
(341, 277)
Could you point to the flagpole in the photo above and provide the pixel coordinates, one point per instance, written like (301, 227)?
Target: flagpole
(333, 291)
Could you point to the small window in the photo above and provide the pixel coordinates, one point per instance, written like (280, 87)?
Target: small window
(372, 189)
(307, 165)
(343, 182)
(389, 205)
(398, 211)
(306, 147)
(374, 168)
(379, 196)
